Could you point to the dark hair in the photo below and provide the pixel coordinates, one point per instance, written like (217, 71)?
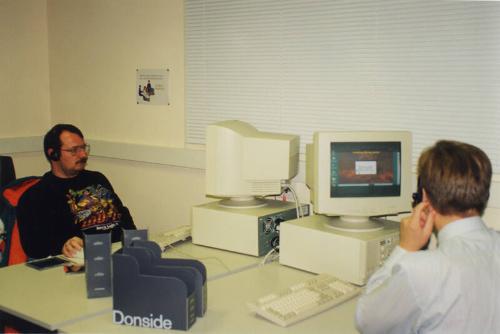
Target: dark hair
(456, 177)
(52, 139)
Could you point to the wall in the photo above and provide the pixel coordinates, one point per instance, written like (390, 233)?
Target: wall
(24, 88)
(95, 48)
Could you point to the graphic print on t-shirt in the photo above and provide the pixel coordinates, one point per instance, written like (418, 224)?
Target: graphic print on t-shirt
(93, 207)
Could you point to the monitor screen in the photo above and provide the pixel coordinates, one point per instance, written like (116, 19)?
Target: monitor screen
(360, 174)
(365, 169)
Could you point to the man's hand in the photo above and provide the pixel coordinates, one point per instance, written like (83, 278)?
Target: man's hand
(71, 246)
(416, 229)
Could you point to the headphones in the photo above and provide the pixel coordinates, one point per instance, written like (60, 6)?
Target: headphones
(55, 155)
(417, 196)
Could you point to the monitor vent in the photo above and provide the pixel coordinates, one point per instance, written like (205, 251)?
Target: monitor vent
(267, 187)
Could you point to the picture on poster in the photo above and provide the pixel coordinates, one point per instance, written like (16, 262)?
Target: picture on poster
(152, 86)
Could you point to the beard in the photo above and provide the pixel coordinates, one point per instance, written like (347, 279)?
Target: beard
(76, 168)
(82, 161)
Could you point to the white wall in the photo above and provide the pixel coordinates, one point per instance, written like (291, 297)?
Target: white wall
(24, 70)
(95, 47)
(24, 84)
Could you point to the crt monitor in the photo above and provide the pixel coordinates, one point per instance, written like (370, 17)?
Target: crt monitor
(354, 176)
(244, 164)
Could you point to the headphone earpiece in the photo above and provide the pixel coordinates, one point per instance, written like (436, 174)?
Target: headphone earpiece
(417, 196)
(54, 155)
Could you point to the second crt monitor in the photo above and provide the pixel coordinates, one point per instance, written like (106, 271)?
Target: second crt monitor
(243, 166)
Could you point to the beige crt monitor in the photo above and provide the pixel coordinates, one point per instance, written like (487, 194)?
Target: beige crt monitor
(352, 176)
(243, 165)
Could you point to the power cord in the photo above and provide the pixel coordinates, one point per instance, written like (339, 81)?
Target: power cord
(298, 207)
(200, 258)
(269, 256)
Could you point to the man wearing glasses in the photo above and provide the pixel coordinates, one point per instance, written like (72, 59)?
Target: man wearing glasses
(69, 200)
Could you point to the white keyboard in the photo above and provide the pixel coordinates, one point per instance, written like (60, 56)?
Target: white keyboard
(171, 237)
(304, 299)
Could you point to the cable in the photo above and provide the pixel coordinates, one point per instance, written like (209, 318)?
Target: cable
(298, 208)
(268, 255)
(287, 188)
(200, 258)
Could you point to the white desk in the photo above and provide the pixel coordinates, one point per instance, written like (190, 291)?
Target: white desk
(227, 311)
(52, 298)
(219, 263)
(48, 298)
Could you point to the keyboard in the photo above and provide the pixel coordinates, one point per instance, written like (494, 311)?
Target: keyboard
(173, 236)
(303, 300)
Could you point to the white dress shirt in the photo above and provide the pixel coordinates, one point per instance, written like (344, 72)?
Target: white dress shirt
(454, 288)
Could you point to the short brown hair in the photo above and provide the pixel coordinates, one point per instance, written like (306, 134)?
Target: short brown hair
(456, 177)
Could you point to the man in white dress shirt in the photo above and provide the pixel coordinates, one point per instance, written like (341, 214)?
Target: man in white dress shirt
(454, 288)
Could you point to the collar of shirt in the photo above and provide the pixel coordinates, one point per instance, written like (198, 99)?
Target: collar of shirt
(459, 227)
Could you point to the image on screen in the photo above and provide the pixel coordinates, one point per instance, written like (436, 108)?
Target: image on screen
(365, 169)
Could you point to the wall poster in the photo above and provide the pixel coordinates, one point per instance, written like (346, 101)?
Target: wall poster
(152, 86)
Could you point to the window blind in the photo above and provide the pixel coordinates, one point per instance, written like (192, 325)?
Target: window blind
(299, 66)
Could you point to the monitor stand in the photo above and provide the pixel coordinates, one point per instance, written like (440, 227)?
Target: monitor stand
(242, 203)
(354, 224)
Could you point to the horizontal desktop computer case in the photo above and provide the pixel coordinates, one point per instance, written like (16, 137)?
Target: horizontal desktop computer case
(311, 244)
(252, 231)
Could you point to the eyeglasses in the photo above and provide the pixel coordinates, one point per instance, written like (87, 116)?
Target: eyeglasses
(77, 149)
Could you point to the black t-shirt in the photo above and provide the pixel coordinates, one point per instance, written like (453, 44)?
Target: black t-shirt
(55, 210)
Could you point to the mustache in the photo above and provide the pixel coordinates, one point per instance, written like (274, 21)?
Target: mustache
(82, 160)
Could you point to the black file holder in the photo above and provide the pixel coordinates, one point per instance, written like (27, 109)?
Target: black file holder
(97, 252)
(150, 293)
(200, 272)
(129, 236)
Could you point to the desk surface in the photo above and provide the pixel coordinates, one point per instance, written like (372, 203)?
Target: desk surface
(49, 298)
(227, 311)
(52, 299)
(219, 263)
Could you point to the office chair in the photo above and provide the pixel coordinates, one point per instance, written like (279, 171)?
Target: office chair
(11, 190)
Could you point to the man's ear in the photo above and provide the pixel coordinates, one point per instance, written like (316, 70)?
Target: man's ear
(425, 198)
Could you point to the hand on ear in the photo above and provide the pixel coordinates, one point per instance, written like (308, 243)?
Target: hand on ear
(416, 229)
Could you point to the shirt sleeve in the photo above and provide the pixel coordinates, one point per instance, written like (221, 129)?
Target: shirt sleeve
(37, 235)
(388, 304)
